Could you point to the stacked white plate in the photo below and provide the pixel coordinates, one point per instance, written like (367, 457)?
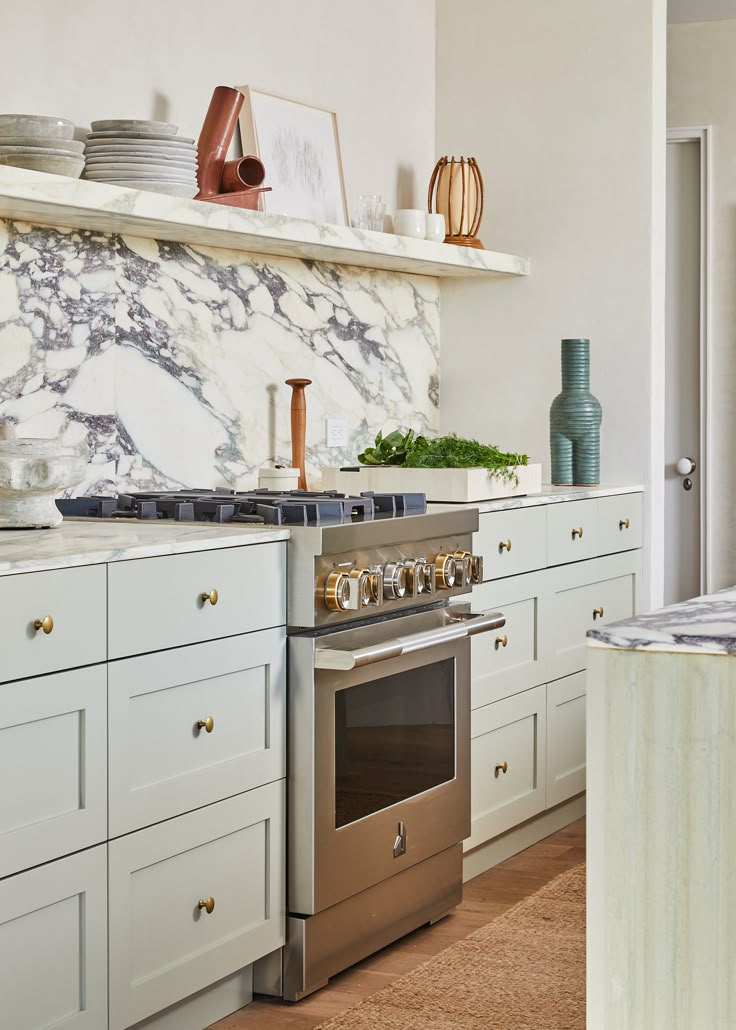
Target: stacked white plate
(142, 155)
(41, 143)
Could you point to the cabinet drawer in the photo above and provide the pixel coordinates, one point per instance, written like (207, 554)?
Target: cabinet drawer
(620, 522)
(163, 946)
(53, 945)
(156, 603)
(162, 763)
(53, 764)
(506, 662)
(573, 531)
(565, 738)
(524, 529)
(513, 732)
(75, 600)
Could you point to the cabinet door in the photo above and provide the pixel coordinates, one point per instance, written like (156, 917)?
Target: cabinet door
(621, 522)
(53, 945)
(53, 766)
(512, 541)
(162, 762)
(75, 601)
(508, 764)
(565, 738)
(156, 603)
(163, 945)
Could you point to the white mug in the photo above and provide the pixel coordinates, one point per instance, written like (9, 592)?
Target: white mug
(410, 222)
(435, 228)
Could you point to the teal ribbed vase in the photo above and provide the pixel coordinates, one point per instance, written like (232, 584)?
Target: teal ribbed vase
(575, 421)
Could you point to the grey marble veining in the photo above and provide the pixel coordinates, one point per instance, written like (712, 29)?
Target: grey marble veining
(169, 360)
(702, 625)
(93, 542)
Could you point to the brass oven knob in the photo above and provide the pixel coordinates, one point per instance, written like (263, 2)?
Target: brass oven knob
(207, 724)
(360, 588)
(208, 904)
(476, 568)
(46, 624)
(415, 576)
(445, 571)
(210, 595)
(337, 592)
(375, 584)
(463, 561)
(395, 580)
(577, 533)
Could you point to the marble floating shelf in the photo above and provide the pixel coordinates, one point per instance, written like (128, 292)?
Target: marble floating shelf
(56, 200)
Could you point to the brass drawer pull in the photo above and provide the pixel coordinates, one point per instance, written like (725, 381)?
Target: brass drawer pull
(208, 904)
(623, 524)
(504, 545)
(210, 595)
(501, 641)
(46, 624)
(577, 532)
(598, 613)
(501, 767)
(206, 724)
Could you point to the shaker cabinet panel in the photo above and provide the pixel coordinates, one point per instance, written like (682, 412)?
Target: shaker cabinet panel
(157, 603)
(52, 621)
(621, 522)
(573, 531)
(511, 541)
(193, 900)
(53, 945)
(53, 766)
(565, 738)
(195, 725)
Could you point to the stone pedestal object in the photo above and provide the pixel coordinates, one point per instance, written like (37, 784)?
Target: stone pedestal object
(33, 473)
(575, 421)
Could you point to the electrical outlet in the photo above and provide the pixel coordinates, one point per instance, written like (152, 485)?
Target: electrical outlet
(336, 432)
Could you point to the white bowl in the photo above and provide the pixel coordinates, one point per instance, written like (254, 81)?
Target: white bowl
(59, 151)
(54, 164)
(111, 172)
(168, 137)
(134, 125)
(162, 160)
(173, 189)
(36, 125)
(68, 146)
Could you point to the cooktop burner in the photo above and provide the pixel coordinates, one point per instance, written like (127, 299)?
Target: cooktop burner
(297, 507)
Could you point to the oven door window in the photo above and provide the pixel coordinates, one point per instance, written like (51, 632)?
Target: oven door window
(394, 739)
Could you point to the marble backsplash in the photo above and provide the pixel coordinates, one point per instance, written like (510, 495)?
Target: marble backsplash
(170, 360)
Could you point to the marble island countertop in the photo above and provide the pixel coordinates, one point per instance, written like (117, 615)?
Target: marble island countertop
(549, 495)
(91, 542)
(703, 625)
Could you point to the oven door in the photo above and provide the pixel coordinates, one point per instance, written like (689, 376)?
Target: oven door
(379, 738)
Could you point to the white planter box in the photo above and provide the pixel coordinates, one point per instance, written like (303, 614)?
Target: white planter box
(448, 485)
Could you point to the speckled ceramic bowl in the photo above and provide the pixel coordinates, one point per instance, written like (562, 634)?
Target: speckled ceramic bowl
(33, 473)
(36, 125)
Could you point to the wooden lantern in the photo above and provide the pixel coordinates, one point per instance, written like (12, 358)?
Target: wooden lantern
(456, 191)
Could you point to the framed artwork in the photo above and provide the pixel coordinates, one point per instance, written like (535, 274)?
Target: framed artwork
(299, 146)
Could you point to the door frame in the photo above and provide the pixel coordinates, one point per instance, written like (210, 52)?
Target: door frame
(703, 136)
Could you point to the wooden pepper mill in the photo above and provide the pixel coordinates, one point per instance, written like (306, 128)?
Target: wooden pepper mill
(299, 427)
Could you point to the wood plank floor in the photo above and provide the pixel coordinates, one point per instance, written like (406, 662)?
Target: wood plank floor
(485, 898)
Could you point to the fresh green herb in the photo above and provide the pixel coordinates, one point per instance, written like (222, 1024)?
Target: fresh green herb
(450, 451)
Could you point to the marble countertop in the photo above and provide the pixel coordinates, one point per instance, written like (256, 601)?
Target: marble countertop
(91, 542)
(703, 625)
(549, 495)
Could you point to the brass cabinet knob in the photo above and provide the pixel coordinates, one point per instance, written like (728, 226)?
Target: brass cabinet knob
(577, 533)
(501, 641)
(501, 767)
(504, 545)
(46, 624)
(597, 613)
(623, 524)
(208, 904)
(210, 595)
(206, 724)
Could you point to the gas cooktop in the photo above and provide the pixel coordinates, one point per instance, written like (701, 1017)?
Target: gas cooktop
(295, 508)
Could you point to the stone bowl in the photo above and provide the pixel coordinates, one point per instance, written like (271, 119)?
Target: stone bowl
(33, 473)
(36, 125)
(54, 164)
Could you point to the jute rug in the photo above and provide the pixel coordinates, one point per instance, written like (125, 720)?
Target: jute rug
(525, 970)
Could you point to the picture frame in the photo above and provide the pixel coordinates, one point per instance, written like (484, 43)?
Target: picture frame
(300, 148)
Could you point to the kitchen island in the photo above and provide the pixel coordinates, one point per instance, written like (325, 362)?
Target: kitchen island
(661, 747)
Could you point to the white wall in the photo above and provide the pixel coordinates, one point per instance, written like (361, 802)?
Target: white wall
(702, 91)
(372, 63)
(563, 105)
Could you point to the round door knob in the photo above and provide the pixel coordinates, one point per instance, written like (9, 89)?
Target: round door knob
(501, 767)
(598, 613)
(210, 595)
(504, 545)
(577, 533)
(207, 724)
(686, 466)
(501, 641)
(208, 904)
(46, 624)
(337, 592)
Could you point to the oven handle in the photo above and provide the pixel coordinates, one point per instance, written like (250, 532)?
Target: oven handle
(465, 624)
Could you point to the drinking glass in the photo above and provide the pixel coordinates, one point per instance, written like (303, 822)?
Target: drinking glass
(370, 212)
